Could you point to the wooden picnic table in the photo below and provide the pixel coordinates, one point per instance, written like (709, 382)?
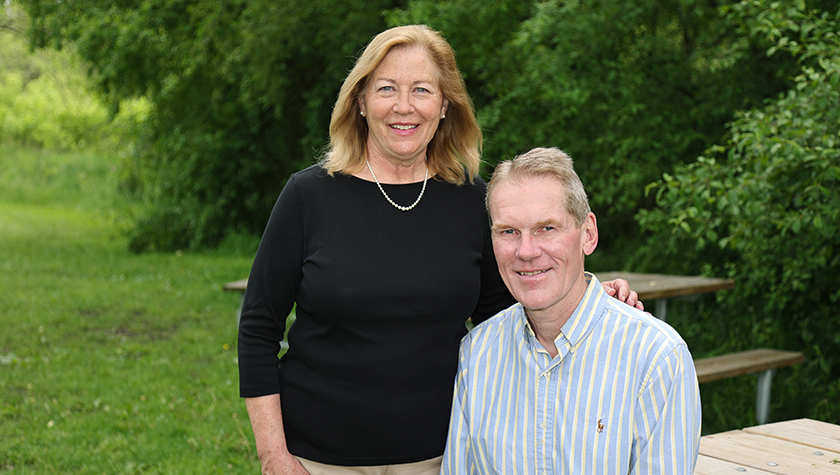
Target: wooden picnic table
(659, 287)
(662, 287)
(797, 447)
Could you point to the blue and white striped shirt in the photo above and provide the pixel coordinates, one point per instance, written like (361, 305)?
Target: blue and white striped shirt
(620, 397)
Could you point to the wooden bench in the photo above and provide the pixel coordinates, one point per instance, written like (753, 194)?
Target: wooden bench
(763, 361)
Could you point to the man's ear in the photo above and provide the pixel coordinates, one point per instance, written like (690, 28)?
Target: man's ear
(590, 234)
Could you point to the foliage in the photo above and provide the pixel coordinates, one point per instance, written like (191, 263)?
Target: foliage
(45, 101)
(628, 89)
(242, 89)
(764, 208)
(241, 93)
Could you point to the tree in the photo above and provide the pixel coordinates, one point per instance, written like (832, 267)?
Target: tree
(764, 207)
(241, 91)
(628, 89)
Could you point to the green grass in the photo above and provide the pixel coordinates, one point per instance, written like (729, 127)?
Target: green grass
(110, 362)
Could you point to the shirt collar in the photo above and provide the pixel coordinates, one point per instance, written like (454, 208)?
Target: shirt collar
(586, 316)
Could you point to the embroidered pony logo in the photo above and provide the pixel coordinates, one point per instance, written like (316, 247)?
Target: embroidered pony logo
(600, 426)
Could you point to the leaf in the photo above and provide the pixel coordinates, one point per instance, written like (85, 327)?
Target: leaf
(711, 235)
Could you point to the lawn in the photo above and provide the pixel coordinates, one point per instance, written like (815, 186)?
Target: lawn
(110, 362)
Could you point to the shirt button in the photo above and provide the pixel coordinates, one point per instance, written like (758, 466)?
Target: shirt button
(542, 425)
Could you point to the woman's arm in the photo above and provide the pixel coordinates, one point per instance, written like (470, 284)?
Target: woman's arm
(267, 421)
(269, 298)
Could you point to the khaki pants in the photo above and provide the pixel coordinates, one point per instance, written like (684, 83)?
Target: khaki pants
(426, 467)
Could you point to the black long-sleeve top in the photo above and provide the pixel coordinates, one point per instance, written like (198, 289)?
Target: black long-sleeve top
(382, 297)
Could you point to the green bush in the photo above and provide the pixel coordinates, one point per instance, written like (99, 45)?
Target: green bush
(46, 102)
(764, 209)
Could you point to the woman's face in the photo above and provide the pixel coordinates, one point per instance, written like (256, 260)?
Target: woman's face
(403, 105)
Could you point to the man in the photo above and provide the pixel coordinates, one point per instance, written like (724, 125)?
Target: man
(568, 380)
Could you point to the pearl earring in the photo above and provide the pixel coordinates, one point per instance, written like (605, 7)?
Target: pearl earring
(362, 112)
(443, 116)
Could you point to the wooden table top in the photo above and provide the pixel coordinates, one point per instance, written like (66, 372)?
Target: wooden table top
(798, 447)
(659, 286)
(648, 286)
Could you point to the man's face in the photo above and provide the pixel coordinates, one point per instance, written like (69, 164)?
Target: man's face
(538, 246)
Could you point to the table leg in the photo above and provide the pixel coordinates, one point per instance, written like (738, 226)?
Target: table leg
(239, 311)
(661, 309)
(762, 395)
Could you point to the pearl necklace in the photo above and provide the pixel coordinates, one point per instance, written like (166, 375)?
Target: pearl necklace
(401, 208)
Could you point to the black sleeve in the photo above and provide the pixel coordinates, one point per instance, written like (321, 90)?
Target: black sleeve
(270, 296)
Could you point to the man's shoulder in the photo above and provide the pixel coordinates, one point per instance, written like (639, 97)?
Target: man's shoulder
(657, 329)
(504, 317)
(496, 326)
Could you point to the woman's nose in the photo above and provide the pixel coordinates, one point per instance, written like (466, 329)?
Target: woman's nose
(403, 104)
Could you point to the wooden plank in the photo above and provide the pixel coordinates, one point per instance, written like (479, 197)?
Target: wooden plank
(658, 286)
(648, 286)
(745, 362)
(769, 454)
(817, 434)
(236, 286)
(711, 466)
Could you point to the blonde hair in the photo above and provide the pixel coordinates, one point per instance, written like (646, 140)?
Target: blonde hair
(539, 162)
(456, 145)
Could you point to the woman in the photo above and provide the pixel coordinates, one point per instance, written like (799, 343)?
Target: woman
(385, 249)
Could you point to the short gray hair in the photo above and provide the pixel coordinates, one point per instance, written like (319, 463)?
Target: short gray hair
(539, 162)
